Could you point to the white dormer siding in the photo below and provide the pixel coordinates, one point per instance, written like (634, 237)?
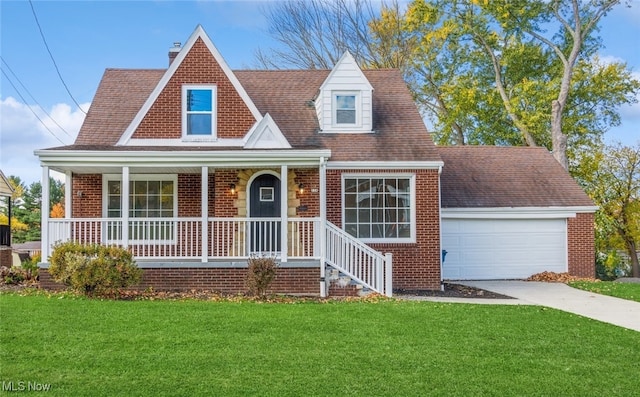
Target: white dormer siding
(344, 103)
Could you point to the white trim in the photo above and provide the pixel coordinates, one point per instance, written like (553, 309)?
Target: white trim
(516, 212)
(346, 57)
(264, 196)
(384, 165)
(68, 202)
(250, 181)
(323, 226)
(44, 214)
(335, 126)
(412, 205)
(197, 33)
(63, 159)
(265, 134)
(137, 177)
(220, 142)
(204, 212)
(214, 113)
(284, 213)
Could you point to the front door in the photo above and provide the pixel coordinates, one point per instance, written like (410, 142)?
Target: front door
(264, 202)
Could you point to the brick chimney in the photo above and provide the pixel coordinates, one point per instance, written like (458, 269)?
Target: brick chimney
(173, 51)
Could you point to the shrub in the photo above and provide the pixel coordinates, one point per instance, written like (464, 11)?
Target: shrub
(611, 265)
(262, 271)
(12, 275)
(30, 267)
(93, 269)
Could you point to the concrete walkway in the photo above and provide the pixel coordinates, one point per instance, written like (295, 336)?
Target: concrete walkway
(621, 312)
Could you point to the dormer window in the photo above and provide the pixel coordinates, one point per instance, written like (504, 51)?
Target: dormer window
(346, 110)
(199, 112)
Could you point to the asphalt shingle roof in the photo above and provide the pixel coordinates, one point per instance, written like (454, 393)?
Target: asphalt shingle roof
(400, 134)
(490, 176)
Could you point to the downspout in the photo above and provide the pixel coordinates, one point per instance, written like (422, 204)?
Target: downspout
(441, 256)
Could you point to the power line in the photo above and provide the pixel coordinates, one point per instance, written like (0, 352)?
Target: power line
(51, 56)
(34, 99)
(32, 111)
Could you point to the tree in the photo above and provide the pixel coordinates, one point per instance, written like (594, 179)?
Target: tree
(315, 33)
(27, 207)
(615, 188)
(490, 72)
(57, 211)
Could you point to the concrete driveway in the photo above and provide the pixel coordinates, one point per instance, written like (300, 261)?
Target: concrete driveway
(621, 312)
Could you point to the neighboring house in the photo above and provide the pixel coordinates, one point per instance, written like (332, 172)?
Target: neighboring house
(6, 190)
(331, 171)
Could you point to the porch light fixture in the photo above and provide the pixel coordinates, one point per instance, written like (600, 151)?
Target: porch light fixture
(301, 188)
(232, 188)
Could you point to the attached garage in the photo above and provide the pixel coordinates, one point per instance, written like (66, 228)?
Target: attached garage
(510, 212)
(484, 249)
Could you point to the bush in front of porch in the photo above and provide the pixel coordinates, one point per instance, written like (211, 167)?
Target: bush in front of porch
(93, 269)
(260, 275)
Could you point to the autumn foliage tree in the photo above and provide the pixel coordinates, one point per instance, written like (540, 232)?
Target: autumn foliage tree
(57, 211)
(615, 188)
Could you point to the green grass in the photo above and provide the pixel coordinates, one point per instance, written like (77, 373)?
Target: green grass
(630, 291)
(87, 347)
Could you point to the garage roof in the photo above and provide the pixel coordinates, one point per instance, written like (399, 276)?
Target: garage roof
(492, 176)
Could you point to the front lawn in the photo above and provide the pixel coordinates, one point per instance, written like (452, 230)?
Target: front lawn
(395, 348)
(630, 291)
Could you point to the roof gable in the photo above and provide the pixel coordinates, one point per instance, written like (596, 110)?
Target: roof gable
(6, 190)
(266, 135)
(346, 69)
(345, 81)
(185, 69)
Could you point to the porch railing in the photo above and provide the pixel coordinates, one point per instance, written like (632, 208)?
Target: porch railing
(357, 260)
(182, 238)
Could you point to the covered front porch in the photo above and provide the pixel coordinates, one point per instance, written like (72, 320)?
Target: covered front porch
(216, 215)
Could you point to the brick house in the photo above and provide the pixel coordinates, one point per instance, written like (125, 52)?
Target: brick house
(331, 171)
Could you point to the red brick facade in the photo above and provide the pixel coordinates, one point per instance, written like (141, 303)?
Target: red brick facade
(164, 118)
(416, 266)
(6, 258)
(581, 246)
(224, 280)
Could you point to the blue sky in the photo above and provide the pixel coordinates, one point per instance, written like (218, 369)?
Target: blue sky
(85, 37)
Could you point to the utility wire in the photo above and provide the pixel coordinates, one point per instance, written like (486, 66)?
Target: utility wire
(53, 60)
(32, 111)
(34, 99)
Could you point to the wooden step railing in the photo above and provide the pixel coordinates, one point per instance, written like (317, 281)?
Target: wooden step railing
(357, 260)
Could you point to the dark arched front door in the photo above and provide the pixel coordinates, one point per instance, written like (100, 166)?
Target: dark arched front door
(264, 202)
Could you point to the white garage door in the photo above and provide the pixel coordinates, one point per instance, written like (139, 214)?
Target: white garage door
(485, 249)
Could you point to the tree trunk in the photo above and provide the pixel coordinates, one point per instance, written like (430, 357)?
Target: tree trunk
(558, 139)
(632, 250)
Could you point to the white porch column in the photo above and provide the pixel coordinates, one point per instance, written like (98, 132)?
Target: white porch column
(67, 195)
(284, 212)
(323, 225)
(44, 212)
(124, 191)
(204, 205)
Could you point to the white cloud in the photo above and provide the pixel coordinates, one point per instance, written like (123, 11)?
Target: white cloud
(22, 133)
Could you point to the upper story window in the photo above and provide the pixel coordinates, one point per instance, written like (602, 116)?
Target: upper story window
(346, 108)
(199, 112)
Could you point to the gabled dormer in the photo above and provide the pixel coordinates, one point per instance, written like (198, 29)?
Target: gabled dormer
(198, 101)
(344, 103)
